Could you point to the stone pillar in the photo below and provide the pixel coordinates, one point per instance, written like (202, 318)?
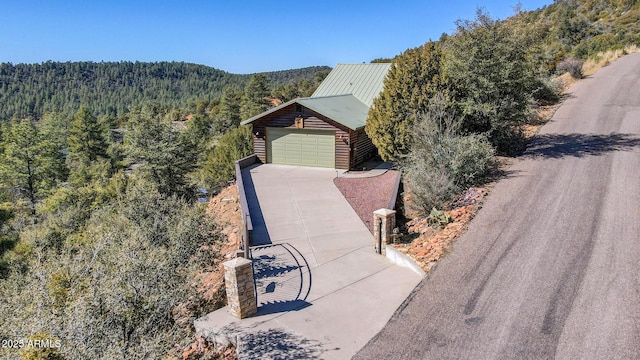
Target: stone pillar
(387, 218)
(241, 293)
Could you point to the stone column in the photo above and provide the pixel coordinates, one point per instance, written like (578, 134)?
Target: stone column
(386, 218)
(241, 293)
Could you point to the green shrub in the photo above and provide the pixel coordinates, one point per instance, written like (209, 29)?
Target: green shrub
(441, 161)
(438, 218)
(219, 165)
(510, 140)
(490, 76)
(7, 211)
(547, 90)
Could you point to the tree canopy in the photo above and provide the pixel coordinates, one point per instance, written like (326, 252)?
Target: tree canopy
(115, 88)
(86, 136)
(413, 79)
(30, 163)
(254, 99)
(489, 77)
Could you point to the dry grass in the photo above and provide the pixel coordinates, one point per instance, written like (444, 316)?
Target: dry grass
(591, 66)
(542, 114)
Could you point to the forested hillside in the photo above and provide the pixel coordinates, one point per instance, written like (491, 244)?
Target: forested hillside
(113, 88)
(580, 28)
(102, 239)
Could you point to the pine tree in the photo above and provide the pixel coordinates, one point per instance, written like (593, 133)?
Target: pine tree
(30, 164)
(254, 98)
(86, 137)
(55, 127)
(162, 153)
(218, 166)
(228, 116)
(414, 78)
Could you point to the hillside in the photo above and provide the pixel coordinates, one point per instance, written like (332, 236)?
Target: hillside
(113, 88)
(581, 29)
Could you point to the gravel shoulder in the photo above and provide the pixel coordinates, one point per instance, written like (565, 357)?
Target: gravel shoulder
(366, 195)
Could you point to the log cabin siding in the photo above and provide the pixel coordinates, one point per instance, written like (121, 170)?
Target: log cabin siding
(285, 118)
(363, 147)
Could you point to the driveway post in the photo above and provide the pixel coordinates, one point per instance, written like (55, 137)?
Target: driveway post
(384, 221)
(241, 293)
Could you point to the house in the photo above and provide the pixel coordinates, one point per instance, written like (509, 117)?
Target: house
(326, 129)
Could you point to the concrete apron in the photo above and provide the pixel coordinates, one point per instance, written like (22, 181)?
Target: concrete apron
(322, 291)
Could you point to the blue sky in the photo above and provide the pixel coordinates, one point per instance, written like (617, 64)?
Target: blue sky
(235, 36)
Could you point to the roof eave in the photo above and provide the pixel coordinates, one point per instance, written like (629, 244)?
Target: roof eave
(270, 111)
(298, 101)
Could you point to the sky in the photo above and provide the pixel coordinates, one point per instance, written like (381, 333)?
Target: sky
(236, 36)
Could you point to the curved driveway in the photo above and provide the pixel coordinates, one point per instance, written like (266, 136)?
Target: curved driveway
(322, 291)
(550, 267)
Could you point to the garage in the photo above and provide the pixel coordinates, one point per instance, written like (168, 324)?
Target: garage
(326, 129)
(306, 147)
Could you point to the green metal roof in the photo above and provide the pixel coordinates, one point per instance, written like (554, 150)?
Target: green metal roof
(364, 81)
(343, 109)
(345, 95)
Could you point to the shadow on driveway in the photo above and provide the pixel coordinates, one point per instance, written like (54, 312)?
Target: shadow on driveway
(278, 344)
(260, 233)
(282, 278)
(556, 146)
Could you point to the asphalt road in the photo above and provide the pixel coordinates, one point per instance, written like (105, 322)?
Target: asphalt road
(550, 267)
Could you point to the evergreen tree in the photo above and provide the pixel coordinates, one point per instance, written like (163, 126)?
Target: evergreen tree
(123, 279)
(414, 78)
(113, 88)
(254, 98)
(163, 154)
(491, 79)
(228, 115)
(30, 164)
(218, 167)
(86, 137)
(55, 127)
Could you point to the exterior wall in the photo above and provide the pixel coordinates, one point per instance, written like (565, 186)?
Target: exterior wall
(285, 118)
(363, 148)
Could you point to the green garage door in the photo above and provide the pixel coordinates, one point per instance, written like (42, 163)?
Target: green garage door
(301, 147)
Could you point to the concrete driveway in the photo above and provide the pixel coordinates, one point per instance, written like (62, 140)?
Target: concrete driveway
(322, 291)
(301, 206)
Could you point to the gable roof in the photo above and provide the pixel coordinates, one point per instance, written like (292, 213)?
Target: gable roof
(364, 81)
(345, 95)
(343, 109)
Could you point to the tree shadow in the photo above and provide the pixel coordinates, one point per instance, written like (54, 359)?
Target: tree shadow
(277, 344)
(556, 146)
(267, 266)
(275, 307)
(282, 278)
